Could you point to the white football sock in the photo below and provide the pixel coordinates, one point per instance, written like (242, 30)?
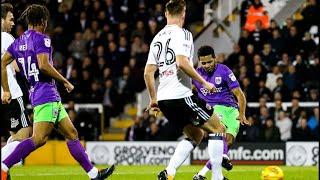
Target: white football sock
(93, 173)
(204, 171)
(181, 153)
(215, 151)
(8, 149)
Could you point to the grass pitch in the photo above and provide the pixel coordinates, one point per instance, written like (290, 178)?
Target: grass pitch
(239, 172)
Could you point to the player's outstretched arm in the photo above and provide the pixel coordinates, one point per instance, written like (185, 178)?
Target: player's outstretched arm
(48, 69)
(184, 65)
(5, 60)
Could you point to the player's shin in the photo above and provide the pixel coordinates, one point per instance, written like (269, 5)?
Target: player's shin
(22, 150)
(215, 150)
(79, 154)
(183, 150)
(205, 169)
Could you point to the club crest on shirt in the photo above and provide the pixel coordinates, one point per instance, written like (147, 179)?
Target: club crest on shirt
(14, 122)
(55, 112)
(218, 80)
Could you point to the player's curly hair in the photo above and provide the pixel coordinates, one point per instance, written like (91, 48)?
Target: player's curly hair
(175, 7)
(5, 8)
(205, 51)
(35, 15)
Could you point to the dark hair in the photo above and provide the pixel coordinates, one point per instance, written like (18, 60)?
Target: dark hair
(35, 14)
(5, 8)
(205, 51)
(175, 7)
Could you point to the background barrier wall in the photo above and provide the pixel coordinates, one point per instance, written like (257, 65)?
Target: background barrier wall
(132, 153)
(159, 153)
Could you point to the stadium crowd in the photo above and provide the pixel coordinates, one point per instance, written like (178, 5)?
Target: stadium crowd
(101, 46)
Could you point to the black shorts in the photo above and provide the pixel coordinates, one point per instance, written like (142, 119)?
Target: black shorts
(181, 112)
(16, 115)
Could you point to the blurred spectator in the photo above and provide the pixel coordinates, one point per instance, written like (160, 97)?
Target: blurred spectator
(271, 132)
(277, 109)
(277, 42)
(77, 46)
(153, 134)
(313, 123)
(313, 95)
(256, 13)
(311, 14)
(272, 77)
(248, 89)
(244, 11)
(285, 125)
(294, 111)
(244, 41)
(110, 102)
(308, 45)
(268, 57)
(258, 36)
(258, 74)
(264, 115)
(282, 89)
(233, 58)
(250, 133)
(303, 132)
(293, 42)
(263, 90)
(136, 132)
(290, 78)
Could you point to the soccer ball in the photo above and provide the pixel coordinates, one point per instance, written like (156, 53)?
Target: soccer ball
(272, 173)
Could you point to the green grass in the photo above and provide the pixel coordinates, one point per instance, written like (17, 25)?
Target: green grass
(149, 172)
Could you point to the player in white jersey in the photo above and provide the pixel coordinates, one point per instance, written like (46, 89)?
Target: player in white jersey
(15, 112)
(171, 52)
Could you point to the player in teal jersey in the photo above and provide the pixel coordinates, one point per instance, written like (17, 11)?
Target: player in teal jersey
(33, 54)
(231, 112)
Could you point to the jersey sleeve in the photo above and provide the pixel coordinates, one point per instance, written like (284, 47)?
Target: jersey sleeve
(231, 79)
(42, 45)
(151, 57)
(182, 42)
(6, 42)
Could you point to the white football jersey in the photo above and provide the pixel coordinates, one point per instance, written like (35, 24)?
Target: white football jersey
(165, 46)
(15, 90)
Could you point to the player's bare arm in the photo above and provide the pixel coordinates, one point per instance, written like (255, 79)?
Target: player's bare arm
(149, 72)
(184, 65)
(48, 69)
(242, 101)
(15, 66)
(6, 59)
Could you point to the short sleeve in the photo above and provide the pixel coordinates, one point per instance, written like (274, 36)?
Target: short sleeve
(231, 79)
(182, 42)
(6, 42)
(151, 58)
(11, 50)
(42, 45)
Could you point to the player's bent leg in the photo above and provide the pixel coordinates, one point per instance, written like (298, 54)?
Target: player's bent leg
(194, 133)
(77, 151)
(226, 163)
(182, 151)
(40, 135)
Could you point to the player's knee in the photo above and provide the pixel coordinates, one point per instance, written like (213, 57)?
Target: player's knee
(73, 134)
(39, 140)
